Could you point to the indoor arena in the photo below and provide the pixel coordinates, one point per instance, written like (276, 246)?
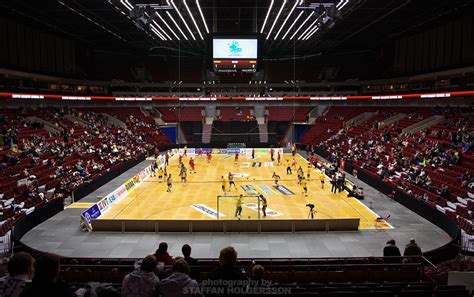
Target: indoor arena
(173, 148)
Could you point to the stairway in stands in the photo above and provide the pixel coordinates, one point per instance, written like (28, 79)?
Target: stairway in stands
(206, 133)
(263, 132)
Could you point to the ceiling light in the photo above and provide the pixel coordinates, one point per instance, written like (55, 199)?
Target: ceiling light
(310, 27)
(287, 17)
(302, 24)
(202, 15)
(126, 4)
(192, 18)
(174, 22)
(294, 22)
(168, 26)
(266, 17)
(158, 33)
(340, 7)
(276, 19)
(161, 30)
(182, 18)
(311, 33)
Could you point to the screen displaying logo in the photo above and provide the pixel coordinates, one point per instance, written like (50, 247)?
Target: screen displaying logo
(234, 49)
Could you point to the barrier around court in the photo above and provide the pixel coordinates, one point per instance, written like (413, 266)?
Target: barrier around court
(226, 226)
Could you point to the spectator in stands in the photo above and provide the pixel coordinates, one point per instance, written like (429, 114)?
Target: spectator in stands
(412, 249)
(45, 281)
(391, 250)
(142, 282)
(228, 269)
(444, 191)
(20, 270)
(179, 284)
(258, 274)
(162, 255)
(194, 271)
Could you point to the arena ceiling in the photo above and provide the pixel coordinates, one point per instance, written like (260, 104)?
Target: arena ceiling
(287, 27)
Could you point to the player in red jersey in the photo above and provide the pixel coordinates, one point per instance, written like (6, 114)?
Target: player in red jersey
(180, 161)
(191, 165)
(315, 160)
(236, 158)
(279, 157)
(209, 156)
(271, 154)
(200, 153)
(293, 163)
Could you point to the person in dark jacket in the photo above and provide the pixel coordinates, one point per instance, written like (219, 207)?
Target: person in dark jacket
(194, 271)
(333, 184)
(20, 270)
(412, 249)
(45, 281)
(142, 282)
(391, 250)
(162, 255)
(228, 271)
(179, 284)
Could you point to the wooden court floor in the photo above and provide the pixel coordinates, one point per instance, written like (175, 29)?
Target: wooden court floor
(197, 198)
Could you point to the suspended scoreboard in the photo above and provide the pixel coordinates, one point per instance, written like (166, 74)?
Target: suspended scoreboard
(234, 54)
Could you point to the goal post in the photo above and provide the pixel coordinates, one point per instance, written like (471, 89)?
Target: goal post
(228, 207)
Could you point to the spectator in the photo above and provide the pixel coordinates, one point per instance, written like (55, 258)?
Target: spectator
(20, 270)
(258, 274)
(194, 271)
(162, 255)
(179, 284)
(45, 281)
(228, 269)
(391, 250)
(412, 249)
(142, 282)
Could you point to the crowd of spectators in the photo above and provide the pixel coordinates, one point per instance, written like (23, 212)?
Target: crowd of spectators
(37, 167)
(438, 160)
(389, 153)
(155, 275)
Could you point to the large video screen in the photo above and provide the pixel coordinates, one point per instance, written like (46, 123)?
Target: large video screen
(234, 48)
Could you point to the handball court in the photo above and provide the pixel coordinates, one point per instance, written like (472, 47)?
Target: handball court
(196, 199)
(61, 234)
